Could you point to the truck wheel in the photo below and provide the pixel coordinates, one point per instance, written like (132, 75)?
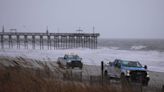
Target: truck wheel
(58, 62)
(105, 74)
(122, 78)
(81, 67)
(106, 77)
(145, 83)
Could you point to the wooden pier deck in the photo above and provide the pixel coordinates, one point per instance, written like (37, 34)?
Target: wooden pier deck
(49, 40)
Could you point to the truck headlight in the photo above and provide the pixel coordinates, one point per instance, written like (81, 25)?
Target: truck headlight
(127, 73)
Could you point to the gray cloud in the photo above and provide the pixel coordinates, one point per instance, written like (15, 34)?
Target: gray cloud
(111, 18)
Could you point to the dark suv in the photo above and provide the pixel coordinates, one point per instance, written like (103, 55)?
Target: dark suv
(70, 61)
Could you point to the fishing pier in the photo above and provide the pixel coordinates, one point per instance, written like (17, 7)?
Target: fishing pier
(30, 40)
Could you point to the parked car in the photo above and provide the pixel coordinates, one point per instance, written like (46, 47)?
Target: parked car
(70, 61)
(127, 70)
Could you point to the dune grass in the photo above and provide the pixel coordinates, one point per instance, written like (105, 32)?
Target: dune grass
(24, 79)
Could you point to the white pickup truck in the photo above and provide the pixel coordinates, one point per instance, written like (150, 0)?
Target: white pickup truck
(127, 70)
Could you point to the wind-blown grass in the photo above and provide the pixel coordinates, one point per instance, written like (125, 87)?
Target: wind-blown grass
(20, 78)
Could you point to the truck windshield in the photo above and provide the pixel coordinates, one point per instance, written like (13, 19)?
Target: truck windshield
(131, 64)
(73, 57)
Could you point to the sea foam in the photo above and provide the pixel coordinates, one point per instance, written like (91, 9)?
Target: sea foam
(153, 59)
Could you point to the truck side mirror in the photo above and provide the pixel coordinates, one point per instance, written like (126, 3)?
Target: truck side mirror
(110, 63)
(145, 66)
(119, 66)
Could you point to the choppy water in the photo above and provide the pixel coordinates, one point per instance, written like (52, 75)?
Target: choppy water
(148, 52)
(133, 44)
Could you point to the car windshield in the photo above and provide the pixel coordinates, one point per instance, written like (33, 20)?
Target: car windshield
(131, 64)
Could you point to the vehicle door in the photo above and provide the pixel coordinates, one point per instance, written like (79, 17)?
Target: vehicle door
(110, 69)
(117, 68)
(113, 69)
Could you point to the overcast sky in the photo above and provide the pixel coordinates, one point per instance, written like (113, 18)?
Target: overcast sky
(111, 18)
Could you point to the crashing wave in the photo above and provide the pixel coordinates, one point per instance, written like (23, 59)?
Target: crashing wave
(138, 47)
(153, 59)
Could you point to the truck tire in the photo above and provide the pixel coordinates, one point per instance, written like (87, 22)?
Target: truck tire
(105, 74)
(81, 67)
(106, 77)
(122, 78)
(145, 83)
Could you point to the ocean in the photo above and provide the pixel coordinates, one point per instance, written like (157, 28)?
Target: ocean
(147, 52)
(133, 44)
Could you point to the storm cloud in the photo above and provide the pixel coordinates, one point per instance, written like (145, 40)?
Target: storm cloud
(111, 18)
